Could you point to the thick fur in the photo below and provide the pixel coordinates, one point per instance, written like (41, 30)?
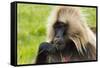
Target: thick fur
(78, 31)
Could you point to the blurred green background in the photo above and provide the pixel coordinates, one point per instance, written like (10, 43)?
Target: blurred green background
(31, 29)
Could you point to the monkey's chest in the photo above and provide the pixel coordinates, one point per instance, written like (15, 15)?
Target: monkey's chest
(61, 58)
(66, 59)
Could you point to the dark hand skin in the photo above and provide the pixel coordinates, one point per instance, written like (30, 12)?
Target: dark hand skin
(45, 49)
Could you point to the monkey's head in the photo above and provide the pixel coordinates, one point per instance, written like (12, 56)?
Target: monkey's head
(66, 28)
(60, 39)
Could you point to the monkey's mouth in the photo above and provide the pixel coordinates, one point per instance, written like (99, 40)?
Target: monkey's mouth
(69, 52)
(60, 45)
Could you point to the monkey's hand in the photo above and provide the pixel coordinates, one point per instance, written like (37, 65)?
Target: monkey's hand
(47, 48)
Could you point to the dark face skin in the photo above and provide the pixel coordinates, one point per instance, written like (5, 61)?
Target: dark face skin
(59, 39)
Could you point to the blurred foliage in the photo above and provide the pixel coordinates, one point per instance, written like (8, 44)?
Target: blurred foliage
(31, 29)
(90, 16)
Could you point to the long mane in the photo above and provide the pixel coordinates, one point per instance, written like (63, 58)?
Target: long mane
(79, 32)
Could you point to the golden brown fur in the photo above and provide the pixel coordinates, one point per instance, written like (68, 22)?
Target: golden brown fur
(78, 31)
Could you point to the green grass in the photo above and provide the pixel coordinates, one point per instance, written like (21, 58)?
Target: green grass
(31, 25)
(31, 31)
(90, 14)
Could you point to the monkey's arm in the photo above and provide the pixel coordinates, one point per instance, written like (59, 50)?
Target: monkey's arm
(45, 50)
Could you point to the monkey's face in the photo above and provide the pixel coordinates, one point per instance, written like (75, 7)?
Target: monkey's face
(59, 38)
(67, 30)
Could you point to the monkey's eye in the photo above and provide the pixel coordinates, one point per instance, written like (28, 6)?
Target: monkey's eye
(59, 25)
